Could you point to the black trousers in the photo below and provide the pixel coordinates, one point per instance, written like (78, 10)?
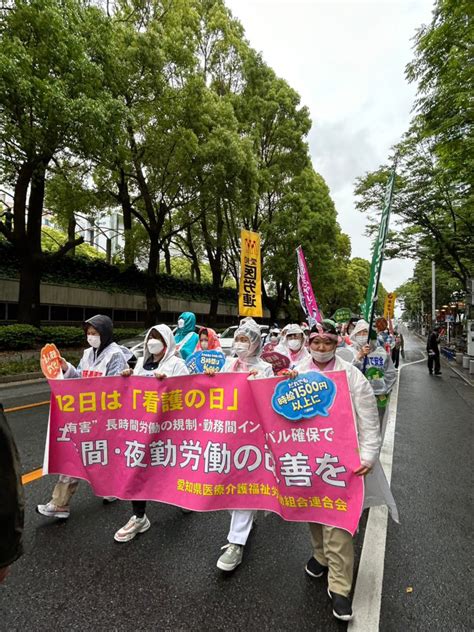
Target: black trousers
(434, 359)
(139, 508)
(396, 357)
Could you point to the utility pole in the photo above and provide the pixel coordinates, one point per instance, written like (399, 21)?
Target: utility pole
(433, 292)
(422, 319)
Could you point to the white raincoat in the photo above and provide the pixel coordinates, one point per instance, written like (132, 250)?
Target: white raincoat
(295, 357)
(170, 365)
(377, 489)
(251, 361)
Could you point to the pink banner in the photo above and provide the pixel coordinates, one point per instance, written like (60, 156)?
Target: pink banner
(208, 443)
(305, 290)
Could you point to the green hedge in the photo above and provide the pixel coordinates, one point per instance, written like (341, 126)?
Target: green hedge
(96, 273)
(18, 337)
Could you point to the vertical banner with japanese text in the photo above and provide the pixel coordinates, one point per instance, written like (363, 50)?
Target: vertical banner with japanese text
(305, 290)
(389, 305)
(250, 290)
(209, 443)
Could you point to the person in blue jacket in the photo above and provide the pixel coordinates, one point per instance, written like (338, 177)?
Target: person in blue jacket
(185, 335)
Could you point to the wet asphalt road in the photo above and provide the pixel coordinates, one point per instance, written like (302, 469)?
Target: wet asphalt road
(73, 575)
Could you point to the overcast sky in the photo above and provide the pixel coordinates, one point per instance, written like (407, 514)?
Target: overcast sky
(346, 59)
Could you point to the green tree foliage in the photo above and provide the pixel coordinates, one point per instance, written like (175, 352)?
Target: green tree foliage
(433, 201)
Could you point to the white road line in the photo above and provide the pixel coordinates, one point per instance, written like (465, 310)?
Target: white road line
(368, 590)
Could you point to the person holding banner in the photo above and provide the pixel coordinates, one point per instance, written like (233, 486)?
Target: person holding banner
(159, 361)
(103, 358)
(293, 345)
(273, 339)
(378, 368)
(247, 347)
(333, 549)
(185, 336)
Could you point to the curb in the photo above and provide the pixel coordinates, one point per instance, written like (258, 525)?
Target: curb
(448, 363)
(21, 377)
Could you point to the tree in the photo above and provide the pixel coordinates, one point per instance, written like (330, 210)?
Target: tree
(433, 202)
(52, 100)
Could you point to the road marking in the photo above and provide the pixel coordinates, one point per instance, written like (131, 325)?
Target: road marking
(368, 590)
(32, 476)
(25, 407)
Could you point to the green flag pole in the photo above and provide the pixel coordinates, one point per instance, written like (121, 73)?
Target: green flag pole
(377, 258)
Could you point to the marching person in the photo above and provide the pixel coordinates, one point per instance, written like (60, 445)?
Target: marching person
(398, 347)
(103, 358)
(159, 361)
(376, 363)
(185, 335)
(12, 505)
(333, 548)
(272, 340)
(432, 347)
(292, 345)
(247, 347)
(208, 340)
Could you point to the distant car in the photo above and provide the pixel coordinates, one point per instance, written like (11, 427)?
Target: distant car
(227, 337)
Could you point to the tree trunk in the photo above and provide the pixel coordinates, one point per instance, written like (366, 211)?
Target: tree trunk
(195, 267)
(166, 250)
(71, 232)
(124, 195)
(29, 304)
(153, 307)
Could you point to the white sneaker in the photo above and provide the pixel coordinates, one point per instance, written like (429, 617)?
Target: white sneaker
(231, 557)
(133, 527)
(53, 511)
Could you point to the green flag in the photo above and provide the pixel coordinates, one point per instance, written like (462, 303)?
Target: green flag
(377, 259)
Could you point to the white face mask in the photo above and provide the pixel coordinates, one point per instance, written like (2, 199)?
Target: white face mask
(361, 340)
(180, 323)
(241, 348)
(323, 356)
(294, 345)
(204, 345)
(155, 346)
(93, 340)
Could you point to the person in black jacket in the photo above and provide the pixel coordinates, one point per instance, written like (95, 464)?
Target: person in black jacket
(432, 348)
(12, 503)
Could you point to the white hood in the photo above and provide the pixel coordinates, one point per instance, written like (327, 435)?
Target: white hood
(170, 343)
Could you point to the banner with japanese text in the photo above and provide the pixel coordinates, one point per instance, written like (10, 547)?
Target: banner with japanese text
(209, 443)
(250, 290)
(389, 305)
(305, 291)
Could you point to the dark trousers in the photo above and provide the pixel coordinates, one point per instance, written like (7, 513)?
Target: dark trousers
(396, 357)
(139, 507)
(434, 359)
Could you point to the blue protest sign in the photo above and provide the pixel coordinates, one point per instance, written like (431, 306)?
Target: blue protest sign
(306, 396)
(200, 361)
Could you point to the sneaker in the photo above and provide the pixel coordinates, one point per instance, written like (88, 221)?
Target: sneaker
(53, 511)
(133, 527)
(439, 373)
(341, 606)
(109, 499)
(186, 511)
(231, 557)
(314, 568)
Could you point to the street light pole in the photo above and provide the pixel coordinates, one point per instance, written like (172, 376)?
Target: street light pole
(433, 292)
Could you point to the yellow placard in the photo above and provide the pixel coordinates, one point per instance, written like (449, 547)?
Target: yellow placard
(389, 305)
(250, 290)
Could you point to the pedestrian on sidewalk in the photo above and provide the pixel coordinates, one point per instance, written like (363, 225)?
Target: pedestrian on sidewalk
(103, 358)
(432, 348)
(159, 361)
